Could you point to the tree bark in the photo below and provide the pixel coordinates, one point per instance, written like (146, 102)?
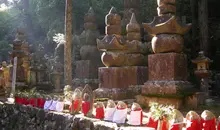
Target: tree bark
(203, 26)
(68, 44)
(28, 21)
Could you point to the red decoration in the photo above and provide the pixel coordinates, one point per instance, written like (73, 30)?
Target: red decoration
(152, 123)
(164, 124)
(193, 125)
(40, 102)
(218, 126)
(25, 101)
(175, 127)
(85, 107)
(208, 124)
(99, 113)
(18, 100)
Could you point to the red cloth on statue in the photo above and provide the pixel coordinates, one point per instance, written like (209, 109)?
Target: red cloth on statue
(152, 123)
(175, 127)
(18, 100)
(85, 107)
(40, 102)
(164, 125)
(218, 126)
(25, 101)
(193, 125)
(208, 124)
(75, 104)
(99, 113)
(32, 102)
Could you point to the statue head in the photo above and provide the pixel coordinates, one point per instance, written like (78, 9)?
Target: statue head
(4, 64)
(135, 106)
(111, 104)
(207, 115)
(86, 97)
(121, 105)
(192, 115)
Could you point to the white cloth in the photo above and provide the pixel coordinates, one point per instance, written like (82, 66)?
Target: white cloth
(59, 106)
(53, 106)
(135, 118)
(47, 104)
(120, 116)
(109, 113)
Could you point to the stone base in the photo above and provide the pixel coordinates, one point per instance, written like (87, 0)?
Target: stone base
(167, 66)
(166, 87)
(93, 83)
(122, 77)
(144, 100)
(86, 69)
(118, 93)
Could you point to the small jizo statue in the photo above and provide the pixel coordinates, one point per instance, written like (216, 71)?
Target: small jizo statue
(48, 103)
(110, 110)
(193, 121)
(67, 91)
(87, 101)
(76, 101)
(219, 123)
(54, 103)
(99, 110)
(60, 105)
(177, 120)
(120, 114)
(136, 115)
(208, 120)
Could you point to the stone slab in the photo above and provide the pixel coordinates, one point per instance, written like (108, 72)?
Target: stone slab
(167, 66)
(176, 102)
(86, 69)
(166, 87)
(122, 77)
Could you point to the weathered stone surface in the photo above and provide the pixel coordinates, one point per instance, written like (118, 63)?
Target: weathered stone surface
(167, 66)
(134, 36)
(12, 118)
(162, 2)
(122, 77)
(113, 18)
(166, 25)
(86, 69)
(115, 59)
(89, 52)
(166, 9)
(176, 102)
(167, 43)
(165, 87)
(113, 29)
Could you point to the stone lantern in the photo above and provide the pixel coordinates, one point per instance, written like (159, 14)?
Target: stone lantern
(202, 63)
(202, 71)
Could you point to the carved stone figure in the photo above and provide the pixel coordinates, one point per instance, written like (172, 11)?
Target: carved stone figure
(110, 110)
(87, 101)
(136, 115)
(120, 114)
(76, 101)
(99, 110)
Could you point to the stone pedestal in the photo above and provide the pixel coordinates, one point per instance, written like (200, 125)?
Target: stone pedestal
(167, 79)
(86, 73)
(56, 76)
(86, 69)
(114, 81)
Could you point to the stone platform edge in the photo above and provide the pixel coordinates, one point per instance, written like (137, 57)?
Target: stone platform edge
(21, 117)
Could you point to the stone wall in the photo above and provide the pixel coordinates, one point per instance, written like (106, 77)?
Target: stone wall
(21, 117)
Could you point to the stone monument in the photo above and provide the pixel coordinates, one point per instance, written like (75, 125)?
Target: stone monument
(167, 68)
(87, 68)
(19, 53)
(122, 56)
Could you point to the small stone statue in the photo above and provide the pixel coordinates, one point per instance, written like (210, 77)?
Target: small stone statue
(110, 110)
(54, 104)
(99, 110)
(48, 103)
(136, 115)
(218, 123)
(76, 101)
(87, 103)
(208, 120)
(192, 121)
(6, 73)
(120, 114)
(60, 105)
(177, 120)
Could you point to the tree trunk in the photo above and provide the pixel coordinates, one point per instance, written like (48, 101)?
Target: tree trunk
(203, 26)
(67, 45)
(28, 21)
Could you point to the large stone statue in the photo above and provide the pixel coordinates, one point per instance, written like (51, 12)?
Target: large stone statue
(6, 73)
